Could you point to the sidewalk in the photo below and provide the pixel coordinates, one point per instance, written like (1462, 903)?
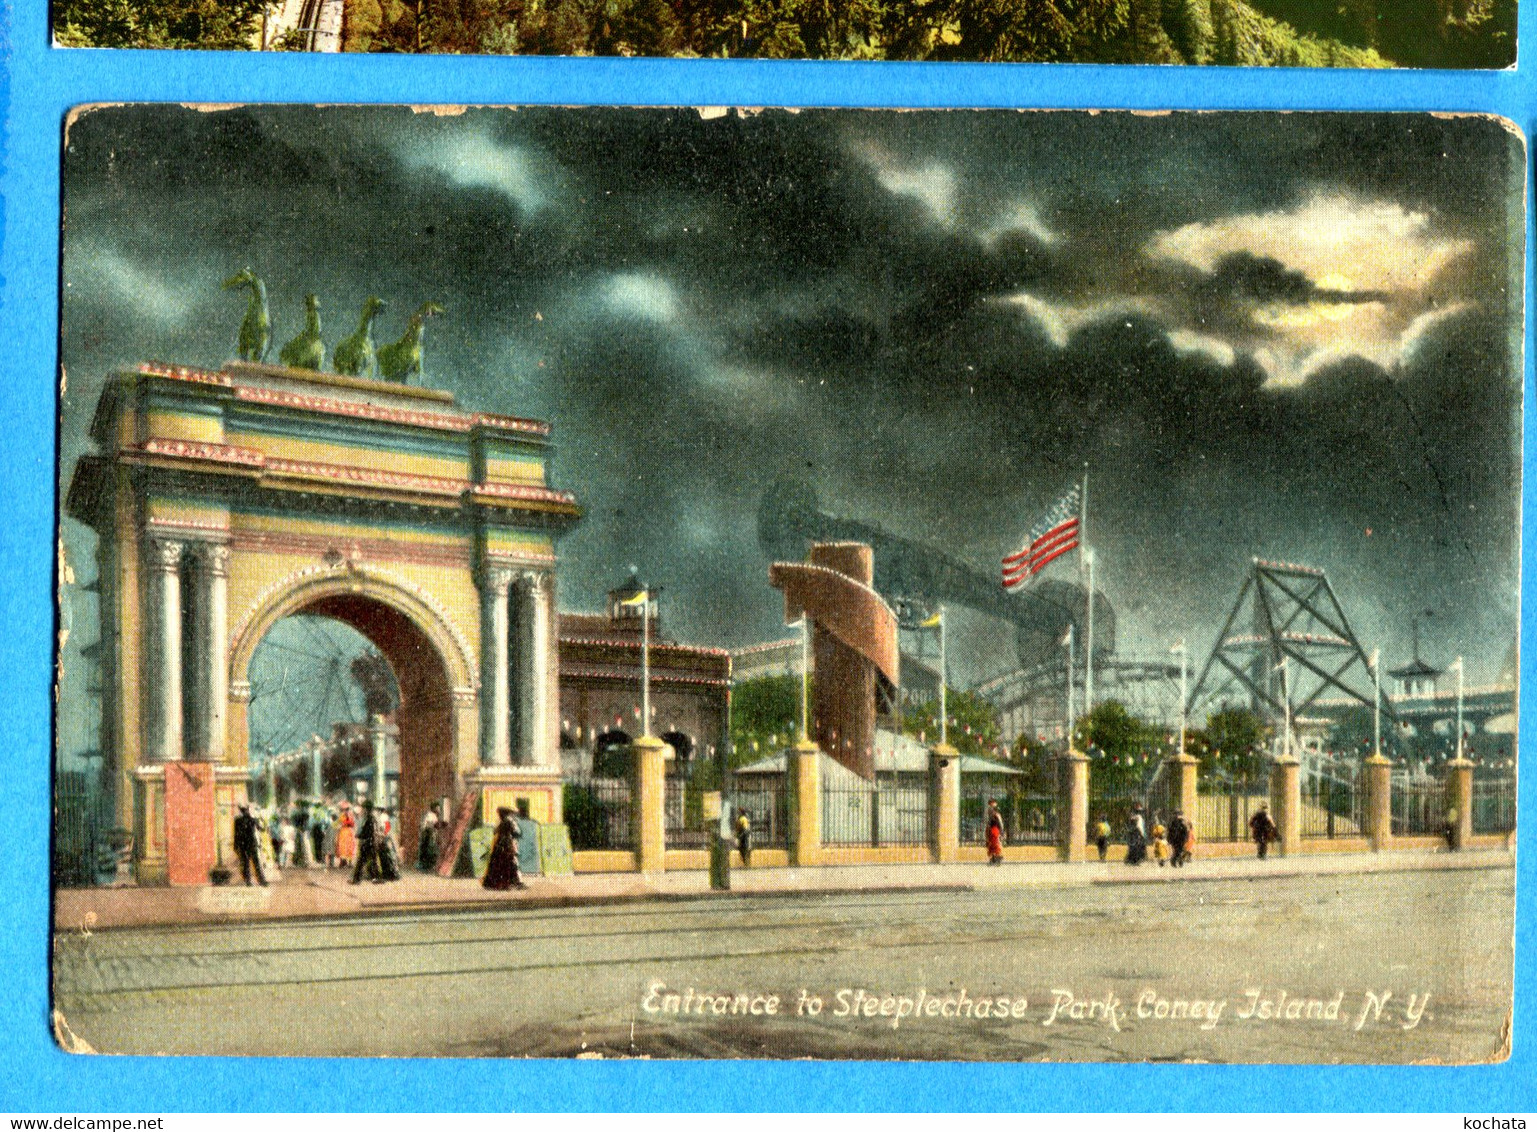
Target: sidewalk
(327, 893)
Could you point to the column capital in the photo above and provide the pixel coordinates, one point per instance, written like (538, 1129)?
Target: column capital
(165, 553)
(535, 583)
(240, 691)
(216, 557)
(496, 578)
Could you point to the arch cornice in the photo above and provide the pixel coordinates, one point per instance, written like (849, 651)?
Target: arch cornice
(310, 584)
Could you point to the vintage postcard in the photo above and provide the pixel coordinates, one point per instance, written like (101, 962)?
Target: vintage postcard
(849, 584)
(1244, 33)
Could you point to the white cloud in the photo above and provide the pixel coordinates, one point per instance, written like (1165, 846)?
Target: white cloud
(932, 185)
(1021, 217)
(643, 296)
(1060, 321)
(98, 271)
(1194, 342)
(473, 161)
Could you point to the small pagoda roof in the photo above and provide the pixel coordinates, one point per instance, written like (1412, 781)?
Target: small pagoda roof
(1415, 668)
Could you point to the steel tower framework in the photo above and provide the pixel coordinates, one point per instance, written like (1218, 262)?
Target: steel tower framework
(1292, 615)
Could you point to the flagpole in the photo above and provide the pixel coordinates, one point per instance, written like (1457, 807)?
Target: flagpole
(943, 723)
(1459, 708)
(805, 677)
(1184, 663)
(1086, 555)
(645, 665)
(1286, 692)
(1377, 703)
(1068, 730)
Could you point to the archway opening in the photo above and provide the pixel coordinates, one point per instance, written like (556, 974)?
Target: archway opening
(341, 659)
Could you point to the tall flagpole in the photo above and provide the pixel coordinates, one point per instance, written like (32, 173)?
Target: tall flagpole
(1459, 708)
(1086, 556)
(645, 665)
(943, 724)
(805, 677)
(1377, 702)
(1069, 728)
(1184, 664)
(1286, 692)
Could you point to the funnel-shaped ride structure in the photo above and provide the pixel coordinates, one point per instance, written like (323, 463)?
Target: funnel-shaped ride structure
(854, 643)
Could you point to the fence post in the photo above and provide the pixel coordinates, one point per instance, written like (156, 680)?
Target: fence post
(1286, 803)
(1379, 801)
(945, 803)
(805, 767)
(648, 803)
(1459, 800)
(1183, 770)
(1072, 805)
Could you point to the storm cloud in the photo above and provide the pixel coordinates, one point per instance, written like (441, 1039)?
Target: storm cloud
(1290, 336)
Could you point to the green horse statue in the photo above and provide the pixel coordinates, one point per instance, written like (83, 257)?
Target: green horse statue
(256, 327)
(354, 355)
(399, 360)
(307, 351)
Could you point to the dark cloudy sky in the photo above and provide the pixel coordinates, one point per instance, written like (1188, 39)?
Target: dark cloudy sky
(1285, 336)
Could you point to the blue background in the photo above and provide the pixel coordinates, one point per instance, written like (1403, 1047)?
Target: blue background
(39, 86)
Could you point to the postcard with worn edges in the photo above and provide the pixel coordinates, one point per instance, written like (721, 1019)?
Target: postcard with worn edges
(1242, 33)
(607, 582)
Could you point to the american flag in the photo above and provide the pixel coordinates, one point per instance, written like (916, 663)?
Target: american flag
(1048, 540)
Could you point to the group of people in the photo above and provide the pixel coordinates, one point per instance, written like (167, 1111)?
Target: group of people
(317, 834)
(1170, 843)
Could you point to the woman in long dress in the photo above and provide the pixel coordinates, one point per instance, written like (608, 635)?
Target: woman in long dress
(346, 836)
(502, 867)
(994, 833)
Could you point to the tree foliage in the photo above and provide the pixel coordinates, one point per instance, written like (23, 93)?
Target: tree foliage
(1123, 749)
(973, 723)
(207, 24)
(765, 717)
(1235, 743)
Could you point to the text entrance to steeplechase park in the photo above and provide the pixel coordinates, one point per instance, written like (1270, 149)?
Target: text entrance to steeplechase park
(228, 500)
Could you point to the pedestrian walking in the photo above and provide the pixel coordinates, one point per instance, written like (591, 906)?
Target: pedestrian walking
(1449, 828)
(302, 855)
(346, 836)
(284, 842)
(994, 833)
(1102, 836)
(1160, 844)
(1262, 829)
(386, 848)
(1136, 837)
(427, 841)
(320, 823)
(368, 857)
(246, 847)
(502, 870)
(744, 835)
(1179, 839)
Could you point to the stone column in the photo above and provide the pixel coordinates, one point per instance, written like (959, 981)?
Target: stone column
(804, 788)
(945, 803)
(495, 749)
(648, 801)
(215, 644)
(1378, 775)
(1459, 801)
(165, 680)
(534, 743)
(1286, 804)
(1072, 806)
(1183, 770)
(377, 741)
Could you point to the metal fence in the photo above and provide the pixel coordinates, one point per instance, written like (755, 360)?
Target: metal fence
(1224, 807)
(1494, 805)
(683, 816)
(1419, 807)
(1332, 809)
(893, 811)
(1115, 803)
(1028, 819)
(765, 798)
(80, 849)
(597, 812)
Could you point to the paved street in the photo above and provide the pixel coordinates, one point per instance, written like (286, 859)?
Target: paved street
(1170, 967)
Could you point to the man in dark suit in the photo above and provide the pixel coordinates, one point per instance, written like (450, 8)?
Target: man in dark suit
(368, 848)
(245, 846)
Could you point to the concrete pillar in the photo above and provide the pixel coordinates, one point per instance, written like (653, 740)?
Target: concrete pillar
(165, 578)
(945, 803)
(1378, 809)
(495, 747)
(1072, 806)
(1183, 774)
(215, 645)
(1459, 800)
(648, 802)
(377, 734)
(1286, 804)
(535, 744)
(804, 766)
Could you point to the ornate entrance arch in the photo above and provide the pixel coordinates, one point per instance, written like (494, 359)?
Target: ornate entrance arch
(226, 500)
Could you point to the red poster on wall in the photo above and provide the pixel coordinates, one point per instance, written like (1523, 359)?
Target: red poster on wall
(189, 822)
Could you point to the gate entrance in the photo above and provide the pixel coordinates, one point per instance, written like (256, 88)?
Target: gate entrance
(227, 500)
